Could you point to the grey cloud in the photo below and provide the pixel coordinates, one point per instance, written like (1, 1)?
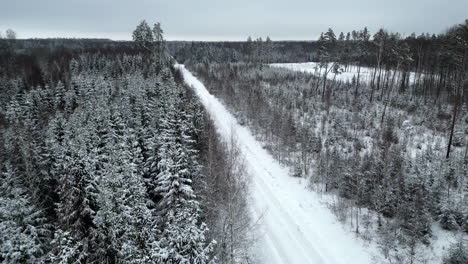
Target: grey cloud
(216, 19)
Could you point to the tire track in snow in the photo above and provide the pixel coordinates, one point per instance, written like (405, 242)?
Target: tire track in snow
(281, 215)
(280, 221)
(270, 238)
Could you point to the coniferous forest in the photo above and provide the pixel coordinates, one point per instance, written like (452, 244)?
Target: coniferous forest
(109, 155)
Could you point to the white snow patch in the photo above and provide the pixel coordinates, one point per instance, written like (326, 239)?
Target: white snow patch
(365, 73)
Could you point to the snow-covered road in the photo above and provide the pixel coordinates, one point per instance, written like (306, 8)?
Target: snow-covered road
(294, 226)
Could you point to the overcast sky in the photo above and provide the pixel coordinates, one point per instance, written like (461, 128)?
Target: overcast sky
(226, 20)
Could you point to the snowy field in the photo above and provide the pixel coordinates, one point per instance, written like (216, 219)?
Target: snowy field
(365, 75)
(295, 227)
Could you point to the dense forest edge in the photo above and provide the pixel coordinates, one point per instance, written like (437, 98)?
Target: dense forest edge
(107, 157)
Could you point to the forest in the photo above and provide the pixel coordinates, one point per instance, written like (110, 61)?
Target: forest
(108, 155)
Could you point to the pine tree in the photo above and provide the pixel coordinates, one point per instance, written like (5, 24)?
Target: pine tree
(160, 44)
(183, 239)
(23, 227)
(152, 40)
(78, 192)
(268, 50)
(126, 226)
(173, 181)
(458, 253)
(66, 248)
(143, 35)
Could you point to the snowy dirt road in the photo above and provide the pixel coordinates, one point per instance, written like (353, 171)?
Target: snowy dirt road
(294, 227)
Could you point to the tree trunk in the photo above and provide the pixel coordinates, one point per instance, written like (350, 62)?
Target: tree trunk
(357, 81)
(324, 82)
(455, 109)
(379, 77)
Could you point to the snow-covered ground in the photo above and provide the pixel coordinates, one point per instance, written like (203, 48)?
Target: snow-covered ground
(295, 227)
(365, 75)
(420, 139)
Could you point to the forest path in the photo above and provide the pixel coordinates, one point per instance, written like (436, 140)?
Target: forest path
(294, 227)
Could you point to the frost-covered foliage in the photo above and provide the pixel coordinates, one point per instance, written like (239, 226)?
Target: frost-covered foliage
(152, 41)
(23, 228)
(183, 238)
(100, 162)
(458, 253)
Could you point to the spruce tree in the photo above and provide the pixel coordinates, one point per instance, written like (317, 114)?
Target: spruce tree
(24, 231)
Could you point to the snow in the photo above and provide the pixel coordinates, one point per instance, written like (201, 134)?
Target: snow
(294, 226)
(365, 75)
(441, 242)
